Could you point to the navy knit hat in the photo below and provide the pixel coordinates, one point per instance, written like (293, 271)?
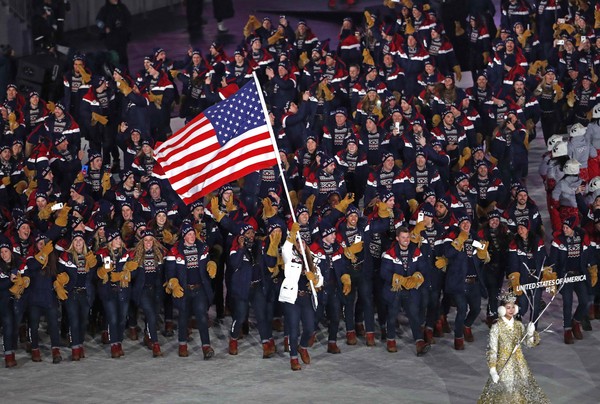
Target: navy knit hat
(112, 234)
(327, 231)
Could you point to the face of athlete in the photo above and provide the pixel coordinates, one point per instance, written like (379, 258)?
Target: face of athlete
(465, 226)
(78, 244)
(161, 219)
(440, 209)
(522, 231)
(494, 223)
(24, 231)
(303, 219)
(127, 213)
(522, 198)
(116, 243)
(354, 71)
(155, 191)
(420, 161)
(391, 202)
(149, 242)
(352, 148)
(6, 254)
(481, 82)
(388, 164)
(567, 231)
(403, 240)
(340, 119)
(329, 239)
(189, 238)
(352, 220)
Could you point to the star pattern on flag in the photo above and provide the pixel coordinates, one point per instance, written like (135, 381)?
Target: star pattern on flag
(237, 114)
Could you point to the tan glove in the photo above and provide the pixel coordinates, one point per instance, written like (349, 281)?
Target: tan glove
(103, 272)
(327, 94)
(31, 187)
(156, 100)
(356, 247)
(486, 57)
(90, 260)
(20, 283)
(293, 233)
(294, 198)
(484, 254)
(274, 271)
(130, 266)
(458, 29)
(124, 87)
(312, 277)
(466, 153)
(593, 274)
(350, 255)
(310, 202)
(97, 118)
(252, 25)
(273, 39)
(85, 76)
(549, 275)
(214, 209)
(398, 282)
(457, 72)
(211, 268)
(458, 242)
(50, 105)
(514, 279)
(441, 263)
(106, 185)
(268, 209)
(383, 211)
(344, 203)
(303, 60)
(59, 285)
(369, 19)
(6, 180)
(20, 186)
(174, 288)
(367, 58)
(571, 99)
(63, 216)
(435, 120)
(42, 255)
(559, 93)
(46, 211)
(168, 237)
(415, 234)
(274, 240)
(346, 284)
(412, 205)
(231, 206)
(414, 281)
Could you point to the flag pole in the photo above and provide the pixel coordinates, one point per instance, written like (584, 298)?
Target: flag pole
(285, 187)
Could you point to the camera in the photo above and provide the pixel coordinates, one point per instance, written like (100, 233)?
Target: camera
(107, 262)
(57, 206)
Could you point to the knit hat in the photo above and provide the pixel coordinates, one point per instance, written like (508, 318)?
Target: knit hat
(112, 234)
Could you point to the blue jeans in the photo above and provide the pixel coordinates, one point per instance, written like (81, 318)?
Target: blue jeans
(78, 311)
(149, 305)
(194, 302)
(329, 299)
(8, 322)
(471, 298)
(410, 301)
(303, 311)
(115, 311)
(51, 314)
(580, 289)
(240, 311)
(363, 287)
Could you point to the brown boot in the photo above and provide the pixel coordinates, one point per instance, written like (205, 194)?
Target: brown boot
(133, 334)
(459, 344)
(489, 321)
(233, 346)
(370, 338)
(569, 337)
(114, 351)
(351, 338)
(56, 358)
(81, 352)
(577, 329)
(147, 341)
(267, 353)
(422, 347)
(437, 329)
(312, 339)
(121, 353)
(360, 329)
(9, 360)
(183, 352)
(468, 334)
(428, 334)
(445, 326)
(75, 354)
(156, 350)
(208, 352)
(286, 344)
(332, 348)
(272, 346)
(303, 352)
(105, 339)
(277, 325)
(391, 345)
(169, 328)
(36, 355)
(294, 364)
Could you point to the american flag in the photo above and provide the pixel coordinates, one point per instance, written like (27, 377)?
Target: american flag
(226, 142)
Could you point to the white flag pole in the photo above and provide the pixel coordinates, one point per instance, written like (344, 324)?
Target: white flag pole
(285, 187)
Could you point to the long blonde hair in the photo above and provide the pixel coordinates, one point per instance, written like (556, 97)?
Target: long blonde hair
(158, 249)
(75, 254)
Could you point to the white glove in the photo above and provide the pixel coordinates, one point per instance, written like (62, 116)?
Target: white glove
(494, 375)
(530, 329)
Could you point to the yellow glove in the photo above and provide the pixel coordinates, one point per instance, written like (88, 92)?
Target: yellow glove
(484, 254)
(596, 19)
(211, 268)
(415, 280)
(413, 205)
(274, 271)
(559, 93)
(21, 186)
(20, 283)
(274, 240)
(593, 275)
(130, 266)
(486, 57)
(63, 216)
(90, 260)
(310, 202)
(42, 255)
(457, 72)
(80, 178)
(46, 211)
(441, 263)
(124, 87)
(398, 281)
(458, 30)
(168, 237)
(294, 198)
(292, 235)
(102, 119)
(435, 120)
(327, 94)
(415, 234)
(252, 25)
(571, 99)
(156, 100)
(174, 288)
(514, 279)
(459, 241)
(367, 58)
(344, 203)
(268, 209)
(12, 121)
(303, 60)
(30, 174)
(85, 76)
(369, 19)
(273, 39)
(350, 255)
(383, 211)
(356, 247)
(116, 276)
(466, 153)
(103, 273)
(106, 185)
(230, 206)
(32, 187)
(311, 276)
(346, 284)
(6, 180)
(214, 209)
(59, 285)
(549, 275)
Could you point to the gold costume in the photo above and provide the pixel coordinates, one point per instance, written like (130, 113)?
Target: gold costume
(516, 384)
